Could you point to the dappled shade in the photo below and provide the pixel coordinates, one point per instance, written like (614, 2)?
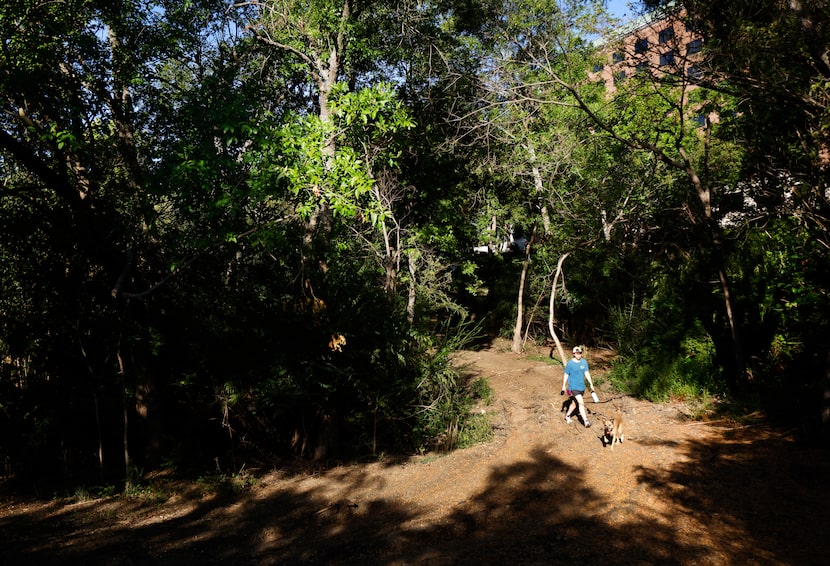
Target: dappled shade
(743, 495)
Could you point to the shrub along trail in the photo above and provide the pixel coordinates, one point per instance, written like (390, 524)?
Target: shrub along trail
(677, 491)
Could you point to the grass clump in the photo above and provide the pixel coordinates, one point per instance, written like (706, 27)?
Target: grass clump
(476, 429)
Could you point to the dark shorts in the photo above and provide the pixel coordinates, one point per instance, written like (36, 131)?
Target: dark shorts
(575, 392)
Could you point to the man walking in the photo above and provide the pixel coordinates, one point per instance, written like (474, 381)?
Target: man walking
(576, 373)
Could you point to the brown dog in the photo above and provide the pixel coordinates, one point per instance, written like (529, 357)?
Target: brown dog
(613, 430)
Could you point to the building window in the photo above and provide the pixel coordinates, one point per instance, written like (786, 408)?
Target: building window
(665, 35)
(694, 73)
(617, 57)
(694, 46)
(598, 68)
(642, 68)
(619, 77)
(700, 120)
(667, 58)
(641, 46)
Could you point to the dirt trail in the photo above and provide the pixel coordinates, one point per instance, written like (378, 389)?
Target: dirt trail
(542, 492)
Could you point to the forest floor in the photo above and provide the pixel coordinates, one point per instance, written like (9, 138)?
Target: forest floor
(679, 490)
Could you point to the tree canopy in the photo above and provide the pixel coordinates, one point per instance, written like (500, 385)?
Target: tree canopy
(237, 234)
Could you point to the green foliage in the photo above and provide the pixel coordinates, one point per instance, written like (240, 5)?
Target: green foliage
(661, 330)
(773, 65)
(480, 390)
(475, 429)
(444, 399)
(161, 179)
(146, 493)
(474, 426)
(226, 484)
(659, 374)
(334, 161)
(786, 270)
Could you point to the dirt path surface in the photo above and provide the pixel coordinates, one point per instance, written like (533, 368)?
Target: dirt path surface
(676, 491)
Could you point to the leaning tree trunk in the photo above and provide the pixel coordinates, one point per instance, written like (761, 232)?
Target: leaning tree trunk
(551, 318)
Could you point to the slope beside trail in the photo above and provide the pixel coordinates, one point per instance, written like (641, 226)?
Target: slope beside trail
(677, 491)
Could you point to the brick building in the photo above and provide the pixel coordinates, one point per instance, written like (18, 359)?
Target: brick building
(659, 43)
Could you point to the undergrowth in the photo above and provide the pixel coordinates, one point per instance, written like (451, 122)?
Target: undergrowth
(689, 374)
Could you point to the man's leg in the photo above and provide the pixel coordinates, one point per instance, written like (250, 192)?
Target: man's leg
(582, 411)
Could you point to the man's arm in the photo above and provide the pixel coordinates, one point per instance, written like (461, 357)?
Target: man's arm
(588, 377)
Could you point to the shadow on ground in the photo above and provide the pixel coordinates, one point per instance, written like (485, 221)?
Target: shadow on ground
(763, 499)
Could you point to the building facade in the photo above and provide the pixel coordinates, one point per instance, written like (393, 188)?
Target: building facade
(661, 43)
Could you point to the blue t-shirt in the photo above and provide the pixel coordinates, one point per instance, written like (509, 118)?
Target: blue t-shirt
(575, 371)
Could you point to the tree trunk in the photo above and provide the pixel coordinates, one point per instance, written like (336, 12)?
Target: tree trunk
(551, 317)
(126, 446)
(135, 367)
(825, 408)
(410, 302)
(705, 196)
(99, 432)
(538, 184)
(517, 329)
(328, 437)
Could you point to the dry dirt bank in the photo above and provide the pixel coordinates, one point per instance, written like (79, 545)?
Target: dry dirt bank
(543, 492)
